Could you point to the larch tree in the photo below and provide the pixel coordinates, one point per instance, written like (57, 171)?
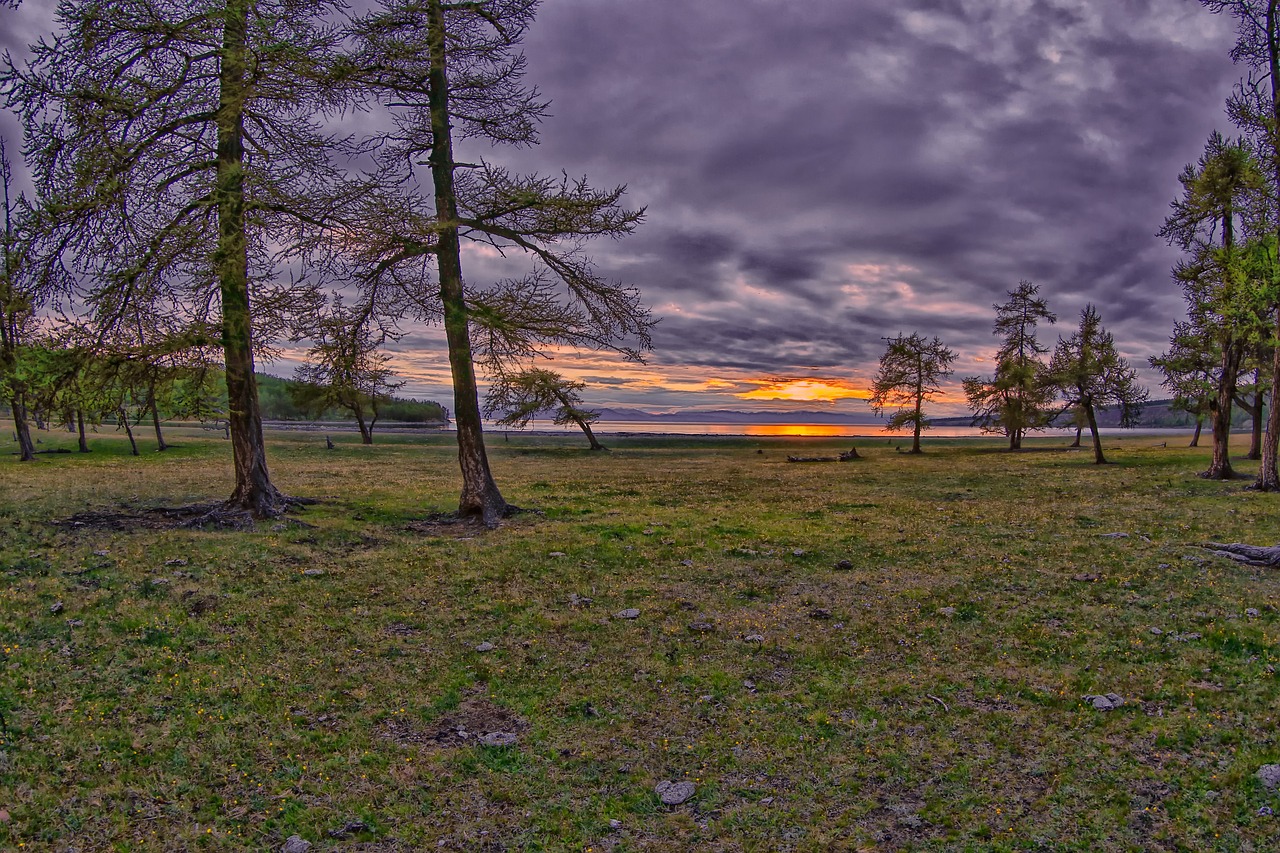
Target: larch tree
(179, 160)
(1016, 399)
(17, 314)
(1090, 375)
(1190, 368)
(910, 372)
(449, 71)
(346, 367)
(518, 398)
(1220, 195)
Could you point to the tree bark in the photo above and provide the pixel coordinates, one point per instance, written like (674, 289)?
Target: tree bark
(1195, 438)
(161, 446)
(1098, 458)
(253, 488)
(480, 495)
(128, 430)
(26, 447)
(1015, 439)
(84, 442)
(366, 430)
(1076, 443)
(1220, 410)
(1268, 479)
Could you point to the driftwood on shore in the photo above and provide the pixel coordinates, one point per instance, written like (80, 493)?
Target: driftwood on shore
(850, 454)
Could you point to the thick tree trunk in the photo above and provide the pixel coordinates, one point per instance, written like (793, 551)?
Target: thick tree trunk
(161, 446)
(1268, 479)
(84, 442)
(1220, 410)
(128, 430)
(1015, 439)
(1253, 408)
(480, 495)
(591, 436)
(1076, 443)
(253, 490)
(366, 430)
(26, 447)
(1195, 438)
(1253, 555)
(1098, 458)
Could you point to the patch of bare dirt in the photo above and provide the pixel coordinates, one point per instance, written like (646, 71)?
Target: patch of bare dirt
(471, 722)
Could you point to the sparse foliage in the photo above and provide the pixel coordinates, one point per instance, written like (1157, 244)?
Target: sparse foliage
(1090, 374)
(910, 372)
(522, 396)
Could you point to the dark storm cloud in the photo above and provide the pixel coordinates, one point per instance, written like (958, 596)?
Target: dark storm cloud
(820, 174)
(795, 149)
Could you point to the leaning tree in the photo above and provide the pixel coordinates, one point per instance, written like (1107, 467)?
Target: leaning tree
(516, 399)
(910, 372)
(179, 155)
(1090, 375)
(445, 72)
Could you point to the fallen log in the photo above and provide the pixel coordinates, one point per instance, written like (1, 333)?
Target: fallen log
(1250, 555)
(850, 454)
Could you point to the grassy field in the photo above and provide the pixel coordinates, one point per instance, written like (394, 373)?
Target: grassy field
(880, 655)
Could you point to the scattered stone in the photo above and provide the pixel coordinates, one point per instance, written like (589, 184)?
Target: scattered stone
(946, 611)
(176, 561)
(911, 821)
(766, 801)
(1185, 638)
(1252, 613)
(349, 829)
(797, 552)
(101, 553)
(485, 647)
(687, 563)
(498, 739)
(1113, 535)
(819, 613)
(1156, 631)
(56, 607)
(629, 613)
(1105, 702)
(281, 528)
(753, 638)
(1085, 577)
(314, 573)
(701, 628)
(675, 793)
(750, 685)
(75, 623)
(557, 554)
(844, 565)
(614, 823)
(296, 844)
(1266, 811)
(1269, 776)
(576, 600)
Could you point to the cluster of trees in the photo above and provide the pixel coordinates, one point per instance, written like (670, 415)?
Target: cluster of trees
(1084, 374)
(193, 204)
(1227, 220)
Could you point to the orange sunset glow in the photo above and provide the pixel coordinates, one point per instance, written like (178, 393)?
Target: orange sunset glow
(806, 390)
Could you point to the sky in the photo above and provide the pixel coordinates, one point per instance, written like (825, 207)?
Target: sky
(819, 175)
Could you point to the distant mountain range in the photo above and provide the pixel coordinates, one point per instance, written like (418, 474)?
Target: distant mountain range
(1156, 413)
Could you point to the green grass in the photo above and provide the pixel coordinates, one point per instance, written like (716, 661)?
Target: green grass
(229, 701)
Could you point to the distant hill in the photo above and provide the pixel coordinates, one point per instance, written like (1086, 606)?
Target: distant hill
(1155, 414)
(730, 416)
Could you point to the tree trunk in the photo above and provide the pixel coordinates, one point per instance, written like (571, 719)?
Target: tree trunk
(84, 443)
(253, 490)
(155, 421)
(1268, 479)
(1098, 458)
(591, 436)
(1220, 410)
(366, 430)
(26, 447)
(1076, 443)
(480, 495)
(128, 430)
(1255, 419)
(1015, 439)
(1195, 438)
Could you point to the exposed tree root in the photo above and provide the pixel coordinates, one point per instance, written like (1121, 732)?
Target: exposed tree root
(218, 515)
(1250, 555)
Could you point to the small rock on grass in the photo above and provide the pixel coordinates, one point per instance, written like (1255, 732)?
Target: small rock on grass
(753, 638)
(844, 565)
(348, 829)
(498, 739)
(819, 613)
(485, 647)
(296, 844)
(314, 573)
(946, 611)
(675, 793)
(56, 607)
(1269, 776)
(701, 628)
(1252, 613)
(1105, 702)
(629, 613)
